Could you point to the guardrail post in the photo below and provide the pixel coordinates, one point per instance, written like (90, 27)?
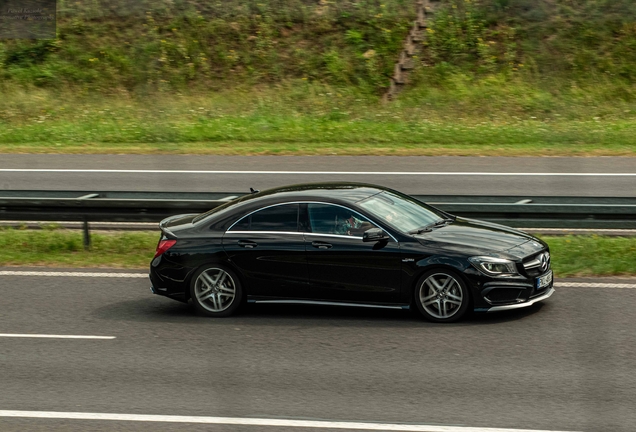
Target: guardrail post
(87, 235)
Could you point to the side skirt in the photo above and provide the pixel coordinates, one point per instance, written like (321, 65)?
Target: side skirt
(327, 303)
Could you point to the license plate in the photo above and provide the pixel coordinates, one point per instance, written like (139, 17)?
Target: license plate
(544, 280)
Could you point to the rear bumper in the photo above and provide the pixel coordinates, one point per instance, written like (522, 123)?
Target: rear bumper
(156, 288)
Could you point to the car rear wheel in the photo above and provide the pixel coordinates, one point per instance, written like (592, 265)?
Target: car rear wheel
(442, 296)
(216, 291)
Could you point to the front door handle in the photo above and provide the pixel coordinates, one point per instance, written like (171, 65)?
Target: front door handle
(321, 245)
(247, 244)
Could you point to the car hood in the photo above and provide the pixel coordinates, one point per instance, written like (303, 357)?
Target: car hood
(477, 237)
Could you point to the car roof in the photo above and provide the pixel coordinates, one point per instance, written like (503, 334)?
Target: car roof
(348, 192)
(336, 192)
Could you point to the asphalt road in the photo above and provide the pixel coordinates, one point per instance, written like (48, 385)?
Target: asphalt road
(567, 364)
(457, 184)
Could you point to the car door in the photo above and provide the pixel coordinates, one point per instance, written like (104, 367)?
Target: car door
(268, 248)
(344, 268)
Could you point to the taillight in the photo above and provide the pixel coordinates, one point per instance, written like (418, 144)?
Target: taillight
(163, 246)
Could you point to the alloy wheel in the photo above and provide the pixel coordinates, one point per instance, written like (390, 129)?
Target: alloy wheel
(441, 296)
(215, 290)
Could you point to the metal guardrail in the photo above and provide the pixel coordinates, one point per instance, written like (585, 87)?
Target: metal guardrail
(516, 211)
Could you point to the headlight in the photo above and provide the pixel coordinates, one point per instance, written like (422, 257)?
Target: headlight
(494, 266)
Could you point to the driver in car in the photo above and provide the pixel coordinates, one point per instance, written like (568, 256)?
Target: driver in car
(351, 226)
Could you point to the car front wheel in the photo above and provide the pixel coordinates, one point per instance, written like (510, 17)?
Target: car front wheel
(441, 296)
(216, 291)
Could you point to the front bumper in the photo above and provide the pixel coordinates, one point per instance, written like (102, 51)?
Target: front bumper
(493, 294)
(527, 303)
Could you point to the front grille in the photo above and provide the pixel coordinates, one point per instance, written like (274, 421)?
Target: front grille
(538, 264)
(503, 295)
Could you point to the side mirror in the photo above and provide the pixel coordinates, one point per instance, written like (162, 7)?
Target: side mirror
(374, 235)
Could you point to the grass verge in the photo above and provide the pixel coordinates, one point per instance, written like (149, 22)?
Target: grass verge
(64, 248)
(321, 122)
(571, 255)
(592, 255)
(494, 77)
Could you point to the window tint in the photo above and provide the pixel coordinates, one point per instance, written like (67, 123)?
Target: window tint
(331, 219)
(277, 218)
(400, 211)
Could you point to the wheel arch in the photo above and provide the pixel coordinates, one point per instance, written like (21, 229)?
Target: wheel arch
(464, 308)
(422, 270)
(227, 263)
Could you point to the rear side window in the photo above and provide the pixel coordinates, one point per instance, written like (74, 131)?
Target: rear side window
(277, 218)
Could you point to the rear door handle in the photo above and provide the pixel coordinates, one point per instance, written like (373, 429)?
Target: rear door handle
(247, 244)
(321, 245)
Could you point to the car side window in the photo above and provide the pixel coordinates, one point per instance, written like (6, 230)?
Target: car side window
(332, 219)
(276, 218)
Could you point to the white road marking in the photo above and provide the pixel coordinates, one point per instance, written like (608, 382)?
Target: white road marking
(73, 274)
(380, 173)
(255, 422)
(149, 224)
(590, 230)
(593, 285)
(12, 335)
(558, 284)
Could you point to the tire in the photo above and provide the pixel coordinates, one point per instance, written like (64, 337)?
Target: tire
(216, 291)
(441, 296)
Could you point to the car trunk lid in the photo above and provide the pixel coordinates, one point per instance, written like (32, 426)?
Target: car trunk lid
(171, 226)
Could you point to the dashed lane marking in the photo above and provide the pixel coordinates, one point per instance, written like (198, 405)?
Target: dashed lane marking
(321, 424)
(73, 274)
(45, 336)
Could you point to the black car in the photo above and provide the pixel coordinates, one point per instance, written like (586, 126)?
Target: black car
(347, 244)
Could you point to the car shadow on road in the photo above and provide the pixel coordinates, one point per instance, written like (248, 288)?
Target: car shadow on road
(146, 310)
(163, 310)
(351, 316)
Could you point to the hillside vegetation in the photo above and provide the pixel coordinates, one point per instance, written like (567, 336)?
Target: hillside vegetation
(151, 45)
(307, 76)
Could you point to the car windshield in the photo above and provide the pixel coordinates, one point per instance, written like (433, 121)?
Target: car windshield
(403, 213)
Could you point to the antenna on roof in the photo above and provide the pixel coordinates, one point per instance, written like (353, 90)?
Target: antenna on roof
(254, 190)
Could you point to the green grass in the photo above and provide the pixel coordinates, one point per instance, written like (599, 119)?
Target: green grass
(317, 120)
(592, 255)
(571, 255)
(64, 248)
(495, 77)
